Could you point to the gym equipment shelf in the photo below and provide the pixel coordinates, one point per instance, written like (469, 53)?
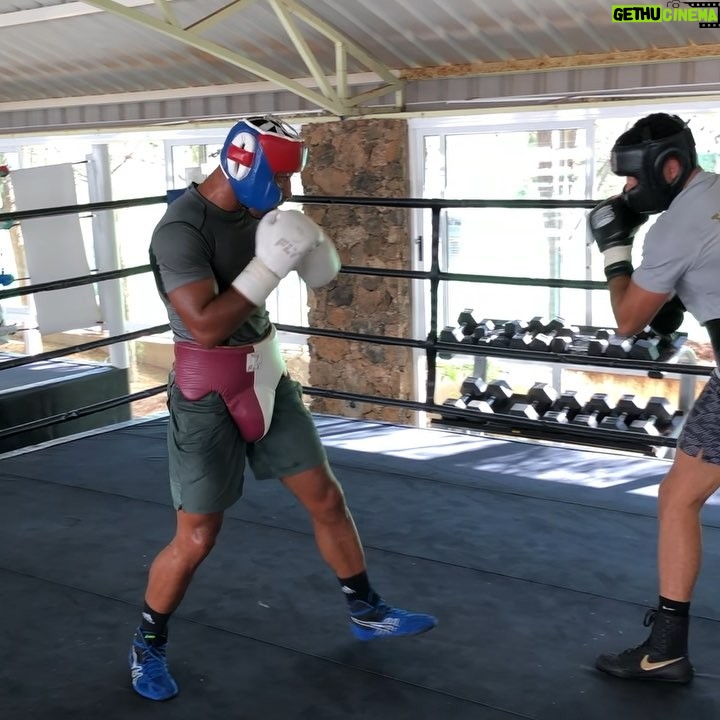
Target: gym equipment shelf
(669, 357)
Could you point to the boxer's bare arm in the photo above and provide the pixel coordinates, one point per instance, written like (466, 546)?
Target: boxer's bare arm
(209, 317)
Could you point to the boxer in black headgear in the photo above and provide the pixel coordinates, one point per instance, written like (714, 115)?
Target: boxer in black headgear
(680, 259)
(641, 152)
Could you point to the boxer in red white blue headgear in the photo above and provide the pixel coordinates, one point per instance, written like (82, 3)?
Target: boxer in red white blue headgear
(255, 151)
(219, 251)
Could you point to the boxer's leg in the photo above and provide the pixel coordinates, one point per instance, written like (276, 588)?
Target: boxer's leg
(206, 460)
(293, 452)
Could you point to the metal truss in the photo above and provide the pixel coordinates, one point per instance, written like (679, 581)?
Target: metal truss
(335, 99)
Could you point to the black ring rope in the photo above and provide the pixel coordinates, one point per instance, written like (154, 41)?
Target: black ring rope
(431, 345)
(502, 352)
(576, 431)
(16, 215)
(432, 276)
(410, 203)
(465, 277)
(620, 438)
(74, 282)
(82, 347)
(443, 203)
(82, 411)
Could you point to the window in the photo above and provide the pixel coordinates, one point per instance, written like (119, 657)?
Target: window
(554, 155)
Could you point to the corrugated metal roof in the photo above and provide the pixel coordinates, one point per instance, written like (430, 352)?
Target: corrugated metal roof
(52, 50)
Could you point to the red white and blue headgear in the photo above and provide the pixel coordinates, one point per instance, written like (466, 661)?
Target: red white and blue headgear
(255, 151)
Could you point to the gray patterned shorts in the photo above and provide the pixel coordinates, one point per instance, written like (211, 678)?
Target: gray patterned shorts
(701, 431)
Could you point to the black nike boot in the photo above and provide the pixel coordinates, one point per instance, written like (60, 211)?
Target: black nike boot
(663, 656)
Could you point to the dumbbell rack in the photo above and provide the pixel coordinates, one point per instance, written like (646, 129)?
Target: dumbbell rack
(510, 425)
(673, 352)
(675, 359)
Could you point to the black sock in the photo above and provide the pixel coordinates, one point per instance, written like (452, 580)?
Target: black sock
(673, 607)
(153, 623)
(358, 587)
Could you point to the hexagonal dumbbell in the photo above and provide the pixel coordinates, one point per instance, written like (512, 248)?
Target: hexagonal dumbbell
(656, 416)
(494, 398)
(594, 411)
(662, 409)
(565, 408)
(539, 400)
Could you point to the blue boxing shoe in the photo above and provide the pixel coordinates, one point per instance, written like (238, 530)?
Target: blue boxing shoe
(148, 668)
(369, 622)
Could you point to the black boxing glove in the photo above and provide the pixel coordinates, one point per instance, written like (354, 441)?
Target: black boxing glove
(613, 226)
(669, 317)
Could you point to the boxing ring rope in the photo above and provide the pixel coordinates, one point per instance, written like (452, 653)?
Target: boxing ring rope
(81, 411)
(347, 269)
(508, 353)
(17, 215)
(74, 282)
(431, 345)
(82, 347)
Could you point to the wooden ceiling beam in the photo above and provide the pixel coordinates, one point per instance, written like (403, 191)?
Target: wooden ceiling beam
(568, 62)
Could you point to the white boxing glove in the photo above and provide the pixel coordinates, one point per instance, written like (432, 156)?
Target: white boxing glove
(282, 239)
(321, 266)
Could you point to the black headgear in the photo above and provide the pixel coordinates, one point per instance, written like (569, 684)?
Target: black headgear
(641, 152)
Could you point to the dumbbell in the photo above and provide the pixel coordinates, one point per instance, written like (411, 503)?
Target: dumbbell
(476, 394)
(614, 422)
(538, 334)
(565, 408)
(564, 338)
(627, 410)
(646, 348)
(451, 334)
(447, 335)
(485, 328)
(656, 416)
(619, 347)
(471, 389)
(472, 386)
(515, 327)
(629, 406)
(496, 339)
(644, 425)
(458, 334)
(468, 331)
(599, 344)
(466, 322)
(543, 334)
(521, 341)
(662, 409)
(540, 399)
(554, 336)
(594, 411)
(493, 398)
(544, 324)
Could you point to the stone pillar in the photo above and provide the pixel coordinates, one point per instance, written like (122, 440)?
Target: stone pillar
(367, 158)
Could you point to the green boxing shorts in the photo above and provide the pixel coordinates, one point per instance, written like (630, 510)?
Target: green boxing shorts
(207, 455)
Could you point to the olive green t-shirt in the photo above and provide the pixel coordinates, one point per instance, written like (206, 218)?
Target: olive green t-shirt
(196, 240)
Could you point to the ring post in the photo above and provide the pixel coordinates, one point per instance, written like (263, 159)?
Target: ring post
(106, 253)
